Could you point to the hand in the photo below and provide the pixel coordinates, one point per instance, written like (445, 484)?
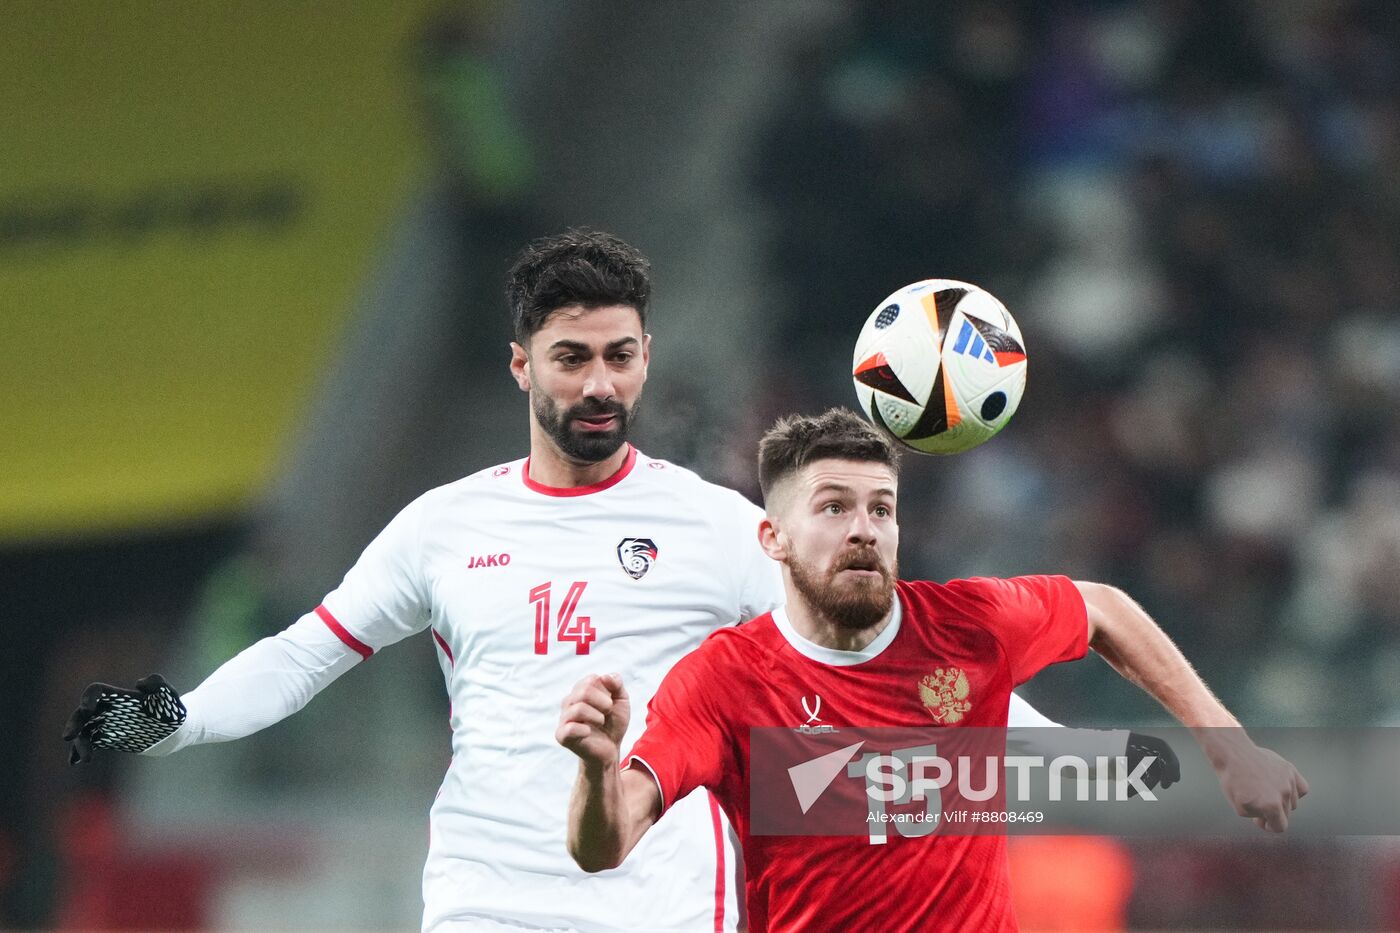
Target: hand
(123, 720)
(1260, 784)
(593, 719)
(1166, 770)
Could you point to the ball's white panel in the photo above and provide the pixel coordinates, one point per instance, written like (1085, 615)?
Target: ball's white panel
(900, 352)
(899, 415)
(997, 403)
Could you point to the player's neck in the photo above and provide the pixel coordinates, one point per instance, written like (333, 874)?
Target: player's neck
(814, 626)
(549, 467)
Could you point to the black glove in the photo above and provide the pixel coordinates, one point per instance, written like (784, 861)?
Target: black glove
(1166, 770)
(123, 720)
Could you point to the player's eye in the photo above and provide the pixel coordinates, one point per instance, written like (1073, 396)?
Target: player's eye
(568, 359)
(832, 508)
(882, 511)
(622, 358)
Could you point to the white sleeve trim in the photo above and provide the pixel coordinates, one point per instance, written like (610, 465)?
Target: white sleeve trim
(638, 759)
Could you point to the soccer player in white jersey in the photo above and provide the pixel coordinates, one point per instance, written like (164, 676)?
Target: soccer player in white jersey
(585, 555)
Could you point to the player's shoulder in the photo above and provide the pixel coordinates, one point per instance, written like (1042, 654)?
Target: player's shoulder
(489, 485)
(977, 595)
(510, 473)
(665, 473)
(977, 587)
(966, 589)
(974, 589)
(688, 486)
(492, 481)
(747, 642)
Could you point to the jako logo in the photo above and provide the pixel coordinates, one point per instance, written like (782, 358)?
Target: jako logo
(489, 560)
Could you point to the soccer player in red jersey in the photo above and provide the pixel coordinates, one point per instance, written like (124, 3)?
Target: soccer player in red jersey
(862, 640)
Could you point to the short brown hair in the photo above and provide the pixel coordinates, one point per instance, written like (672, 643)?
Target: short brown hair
(577, 267)
(798, 440)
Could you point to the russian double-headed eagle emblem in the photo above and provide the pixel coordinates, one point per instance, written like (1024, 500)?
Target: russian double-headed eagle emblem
(945, 693)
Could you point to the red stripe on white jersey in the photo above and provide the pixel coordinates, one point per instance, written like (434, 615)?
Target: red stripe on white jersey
(351, 642)
(442, 643)
(719, 862)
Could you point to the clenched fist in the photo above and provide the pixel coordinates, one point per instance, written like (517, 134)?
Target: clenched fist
(1261, 785)
(593, 719)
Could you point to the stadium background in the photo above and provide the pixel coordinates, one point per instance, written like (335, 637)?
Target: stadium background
(250, 266)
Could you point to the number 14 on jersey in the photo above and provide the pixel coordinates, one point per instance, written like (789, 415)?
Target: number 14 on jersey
(568, 627)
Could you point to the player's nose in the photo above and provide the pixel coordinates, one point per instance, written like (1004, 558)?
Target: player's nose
(862, 528)
(597, 382)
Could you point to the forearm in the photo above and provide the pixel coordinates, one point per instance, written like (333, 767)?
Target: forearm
(609, 811)
(597, 817)
(264, 684)
(1129, 640)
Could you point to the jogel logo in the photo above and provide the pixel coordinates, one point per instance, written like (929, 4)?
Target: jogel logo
(944, 693)
(636, 555)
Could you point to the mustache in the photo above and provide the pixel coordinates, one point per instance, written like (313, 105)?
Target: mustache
(863, 558)
(593, 407)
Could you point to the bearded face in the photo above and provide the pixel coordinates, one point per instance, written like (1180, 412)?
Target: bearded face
(584, 370)
(855, 590)
(832, 523)
(588, 431)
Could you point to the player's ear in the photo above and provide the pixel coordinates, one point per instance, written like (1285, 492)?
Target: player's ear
(646, 353)
(770, 541)
(520, 366)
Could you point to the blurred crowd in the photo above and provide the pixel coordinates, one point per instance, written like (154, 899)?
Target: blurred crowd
(1193, 209)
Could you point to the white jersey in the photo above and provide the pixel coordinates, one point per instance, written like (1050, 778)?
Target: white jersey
(527, 589)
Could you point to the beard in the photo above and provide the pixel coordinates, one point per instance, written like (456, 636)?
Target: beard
(851, 604)
(581, 446)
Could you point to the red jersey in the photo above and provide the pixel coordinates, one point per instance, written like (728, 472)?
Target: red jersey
(997, 633)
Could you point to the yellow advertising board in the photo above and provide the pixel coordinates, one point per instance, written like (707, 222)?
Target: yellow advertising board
(191, 195)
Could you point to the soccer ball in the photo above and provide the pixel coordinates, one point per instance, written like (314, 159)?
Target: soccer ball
(940, 365)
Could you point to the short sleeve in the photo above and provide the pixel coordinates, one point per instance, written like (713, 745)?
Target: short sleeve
(383, 597)
(1039, 620)
(684, 745)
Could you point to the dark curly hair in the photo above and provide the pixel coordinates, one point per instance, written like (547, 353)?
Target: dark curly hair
(577, 267)
(798, 440)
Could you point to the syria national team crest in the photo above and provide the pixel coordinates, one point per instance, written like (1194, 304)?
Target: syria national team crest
(945, 693)
(636, 556)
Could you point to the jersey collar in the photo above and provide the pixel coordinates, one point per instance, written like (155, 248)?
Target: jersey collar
(835, 656)
(565, 491)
